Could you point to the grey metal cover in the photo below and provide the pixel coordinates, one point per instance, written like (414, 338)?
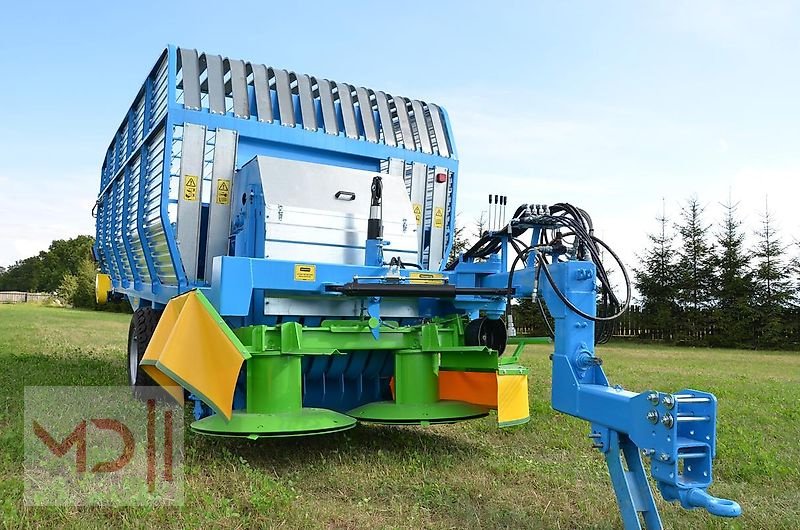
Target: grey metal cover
(367, 116)
(190, 197)
(241, 105)
(191, 79)
(328, 108)
(262, 93)
(348, 110)
(216, 84)
(285, 104)
(387, 123)
(219, 208)
(309, 220)
(307, 103)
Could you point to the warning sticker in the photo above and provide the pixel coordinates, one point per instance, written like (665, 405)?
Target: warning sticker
(223, 191)
(190, 187)
(418, 213)
(426, 278)
(438, 217)
(305, 273)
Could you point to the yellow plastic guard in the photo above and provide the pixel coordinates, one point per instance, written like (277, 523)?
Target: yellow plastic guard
(194, 348)
(508, 393)
(102, 285)
(512, 399)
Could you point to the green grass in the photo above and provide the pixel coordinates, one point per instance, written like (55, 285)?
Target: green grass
(471, 475)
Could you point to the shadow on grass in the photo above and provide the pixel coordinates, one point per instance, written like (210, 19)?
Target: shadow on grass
(435, 444)
(400, 443)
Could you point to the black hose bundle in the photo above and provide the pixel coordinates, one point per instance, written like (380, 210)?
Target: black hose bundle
(580, 242)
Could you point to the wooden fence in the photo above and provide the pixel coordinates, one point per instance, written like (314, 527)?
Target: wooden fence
(633, 324)
(19, 297)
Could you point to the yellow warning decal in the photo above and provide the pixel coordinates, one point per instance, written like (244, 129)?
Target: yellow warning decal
(418, 213)
(426, 277)
(190, 187)
(438, 217)
(223, 191)
(305, 273)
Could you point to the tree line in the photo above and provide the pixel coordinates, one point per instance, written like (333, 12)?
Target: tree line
(65, 270)
(711, 285)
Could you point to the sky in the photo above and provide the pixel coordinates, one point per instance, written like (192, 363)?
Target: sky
(616, 106)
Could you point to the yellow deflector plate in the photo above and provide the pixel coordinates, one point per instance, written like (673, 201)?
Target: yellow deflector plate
(508, 393)
(194, 348)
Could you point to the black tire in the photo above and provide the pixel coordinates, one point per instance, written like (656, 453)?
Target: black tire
(143, 325)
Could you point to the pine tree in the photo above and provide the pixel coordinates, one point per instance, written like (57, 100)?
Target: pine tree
(460, 242)
(733, 315)
(655, 281)
(480, 226)
(695, 269)
(774, 289)
(796, 274)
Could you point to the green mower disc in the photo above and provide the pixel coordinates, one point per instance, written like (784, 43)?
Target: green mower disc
(303, 422)
(392, 413)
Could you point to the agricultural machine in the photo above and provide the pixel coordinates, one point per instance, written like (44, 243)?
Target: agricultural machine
(284, 241)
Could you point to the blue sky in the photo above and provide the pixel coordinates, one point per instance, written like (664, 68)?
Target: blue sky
(609, 105)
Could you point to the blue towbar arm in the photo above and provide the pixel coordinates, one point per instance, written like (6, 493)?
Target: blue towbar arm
(677, 431)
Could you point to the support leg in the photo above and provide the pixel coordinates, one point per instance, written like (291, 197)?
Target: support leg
(631, 487)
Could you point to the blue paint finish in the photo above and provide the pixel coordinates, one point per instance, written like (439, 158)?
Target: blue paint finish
(169, 233)
(680, 438)
(298, 139)
(137, 282)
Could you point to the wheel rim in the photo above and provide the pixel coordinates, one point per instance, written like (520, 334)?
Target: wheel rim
(133, 359)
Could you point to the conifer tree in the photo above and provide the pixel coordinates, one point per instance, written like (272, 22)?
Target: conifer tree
(774, 289)
(655, 281)
(733, 315)
(695, 272)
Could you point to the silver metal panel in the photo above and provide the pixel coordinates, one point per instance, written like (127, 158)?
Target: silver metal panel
(348, 110)
(190, 197)
(405, 123)
(190, 66)
(285, 104)
(422, 127)
(263, 96)
(307, 110)
(307, 222)
(397, 167)
(339, 307)
(438, 130)
(367, 117)
(219, 209)
(419, 177)
(241, 103)
(216, 84)
(438, 221)
(389, 137)
(328, 108)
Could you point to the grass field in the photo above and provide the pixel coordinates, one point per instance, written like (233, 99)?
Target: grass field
(472, 475)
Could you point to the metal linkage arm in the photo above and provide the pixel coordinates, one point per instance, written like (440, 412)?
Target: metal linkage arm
(677, 431)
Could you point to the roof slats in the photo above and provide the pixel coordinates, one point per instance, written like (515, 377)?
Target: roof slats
(319, 106)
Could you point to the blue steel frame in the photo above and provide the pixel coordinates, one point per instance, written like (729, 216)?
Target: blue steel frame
(255, 138)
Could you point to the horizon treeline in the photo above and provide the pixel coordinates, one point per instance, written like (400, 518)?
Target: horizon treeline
(716, 284)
